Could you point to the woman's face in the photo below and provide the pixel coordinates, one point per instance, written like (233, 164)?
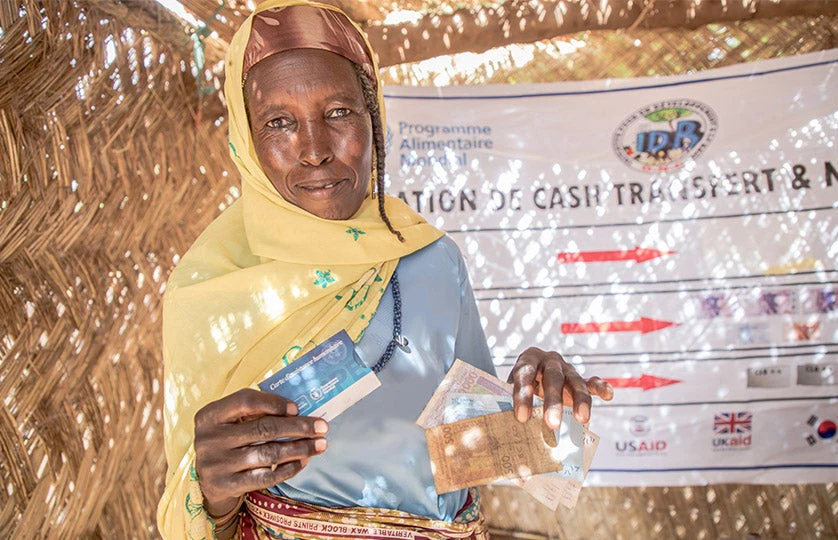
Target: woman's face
(311, 130)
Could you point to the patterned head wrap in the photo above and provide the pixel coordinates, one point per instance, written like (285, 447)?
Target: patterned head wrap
(305, 27)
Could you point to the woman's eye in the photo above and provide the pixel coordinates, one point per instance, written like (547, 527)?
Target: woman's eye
(279, 123)
(339, 112)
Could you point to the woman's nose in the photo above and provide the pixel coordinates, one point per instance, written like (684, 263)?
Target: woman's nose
(314, 144)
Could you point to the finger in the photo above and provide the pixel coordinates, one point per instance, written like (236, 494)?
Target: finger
(552, 381)
(246, 403)
(266, 429)
(234, 472)
(600, 388)
(265, 477)
(575, 394)
(275, 454)
(523, 377)
(538, 388)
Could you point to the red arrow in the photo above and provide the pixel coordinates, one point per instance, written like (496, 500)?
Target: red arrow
(638, 254)
(644, 326)
(646, 382)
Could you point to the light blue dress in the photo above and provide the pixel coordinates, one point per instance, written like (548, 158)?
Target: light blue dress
(377, 455)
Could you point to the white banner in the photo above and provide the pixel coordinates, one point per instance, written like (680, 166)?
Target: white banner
(677, 236)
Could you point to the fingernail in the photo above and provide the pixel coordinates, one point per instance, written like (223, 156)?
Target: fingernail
(554, 417)
(292, 409)
(320, 445)
(583, 413)
(521, 414)
(320, 426)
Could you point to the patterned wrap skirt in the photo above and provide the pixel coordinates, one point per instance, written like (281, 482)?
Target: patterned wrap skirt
(267, 516)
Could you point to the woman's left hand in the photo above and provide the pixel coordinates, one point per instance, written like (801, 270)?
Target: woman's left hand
(547, 375)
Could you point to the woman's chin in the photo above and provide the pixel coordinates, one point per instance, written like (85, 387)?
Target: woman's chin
(339, 211)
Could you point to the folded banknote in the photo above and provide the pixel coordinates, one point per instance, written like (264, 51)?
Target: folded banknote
(488, 448)
(468, 392)
(461, 406)
(577, 447)
(462, 378)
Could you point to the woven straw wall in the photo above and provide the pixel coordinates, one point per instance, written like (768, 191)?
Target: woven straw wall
(108, 170)
(632, 53)
(113, 159)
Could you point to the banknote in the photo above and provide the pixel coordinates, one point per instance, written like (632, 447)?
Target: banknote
(576, 443)
(571, 435)
(461, 406)
(576, 448)
(552, 492)
(571, 438)
(462, 378)
(325, 381)
(488, 448)
(563, 487)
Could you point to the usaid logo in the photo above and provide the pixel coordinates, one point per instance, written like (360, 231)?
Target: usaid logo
(665, 135)
(640, 427)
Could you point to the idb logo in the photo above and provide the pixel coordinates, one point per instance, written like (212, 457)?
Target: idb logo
(686, 135)
(665, 135)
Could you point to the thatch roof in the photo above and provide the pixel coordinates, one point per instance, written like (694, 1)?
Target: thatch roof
(476, 26)
(114, 157)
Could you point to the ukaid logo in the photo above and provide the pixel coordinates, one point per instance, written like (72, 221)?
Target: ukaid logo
(640, 427)
(732, 431)
(664, 135)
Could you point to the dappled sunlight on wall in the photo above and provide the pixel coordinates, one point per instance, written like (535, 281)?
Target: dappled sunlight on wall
(115, 158)
(108, 173)
(658, 240)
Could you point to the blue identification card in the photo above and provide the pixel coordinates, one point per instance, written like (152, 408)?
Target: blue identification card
(325, 381)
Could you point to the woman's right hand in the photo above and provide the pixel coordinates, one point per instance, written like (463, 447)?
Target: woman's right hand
(236, 447)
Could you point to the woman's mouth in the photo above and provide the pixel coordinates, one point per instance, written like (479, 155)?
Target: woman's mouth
(322, 189)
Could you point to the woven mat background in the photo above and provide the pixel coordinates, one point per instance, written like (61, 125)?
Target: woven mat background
(113, 158)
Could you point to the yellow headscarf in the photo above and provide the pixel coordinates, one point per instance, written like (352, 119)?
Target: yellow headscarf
(265, 282)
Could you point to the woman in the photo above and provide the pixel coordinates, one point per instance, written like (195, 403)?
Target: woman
(312, 247)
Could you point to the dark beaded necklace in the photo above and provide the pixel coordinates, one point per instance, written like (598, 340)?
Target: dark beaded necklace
(398, 339)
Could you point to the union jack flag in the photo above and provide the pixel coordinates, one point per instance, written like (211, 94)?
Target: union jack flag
(727, 423)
